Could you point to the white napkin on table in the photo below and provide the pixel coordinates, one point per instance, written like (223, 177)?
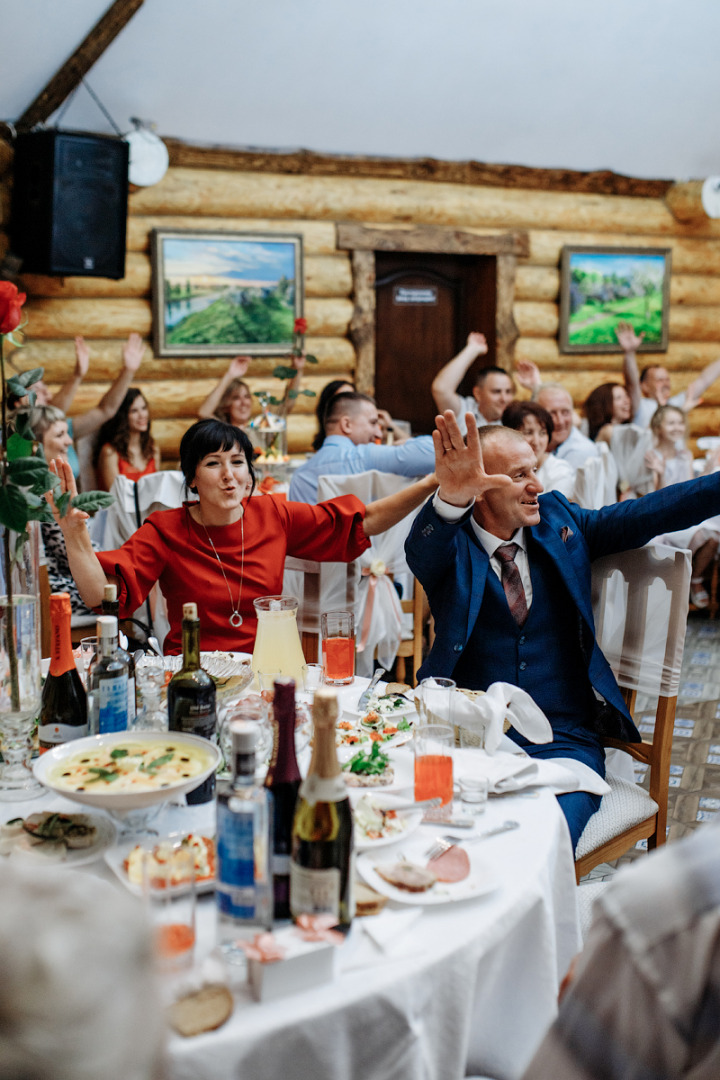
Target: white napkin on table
(513, 772)
(502, 701)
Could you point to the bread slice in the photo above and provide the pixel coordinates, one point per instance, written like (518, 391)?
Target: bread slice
(407, 876)
(367, 900)
(202, 1010)
(396, 688)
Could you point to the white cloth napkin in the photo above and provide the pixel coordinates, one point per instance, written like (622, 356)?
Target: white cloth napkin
(376, 938)
(506, 773)
(485, 715)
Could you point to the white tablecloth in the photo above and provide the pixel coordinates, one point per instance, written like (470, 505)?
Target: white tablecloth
(474, 988)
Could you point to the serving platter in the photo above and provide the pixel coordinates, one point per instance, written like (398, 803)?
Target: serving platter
(115, 859)
(481, 880)
(73, 857)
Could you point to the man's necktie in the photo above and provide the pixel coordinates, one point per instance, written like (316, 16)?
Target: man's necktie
(512, 582)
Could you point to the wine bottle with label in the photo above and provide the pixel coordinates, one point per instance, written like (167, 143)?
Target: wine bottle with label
(283, 780)
(63, 711)
(111, 606)
(243, 876)
(191, 697)
(322, 864)
(107, 682)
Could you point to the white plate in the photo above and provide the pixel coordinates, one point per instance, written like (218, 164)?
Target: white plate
(480, 881)
(411, 820)
(405, 710)
(116, 856)
(106, 835)
(124, 800)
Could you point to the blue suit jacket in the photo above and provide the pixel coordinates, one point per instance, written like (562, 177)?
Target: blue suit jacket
(453, 567)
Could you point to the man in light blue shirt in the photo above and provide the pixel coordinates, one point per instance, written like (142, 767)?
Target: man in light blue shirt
(352, 425)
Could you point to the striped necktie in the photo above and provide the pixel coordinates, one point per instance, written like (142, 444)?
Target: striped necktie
(512, 582)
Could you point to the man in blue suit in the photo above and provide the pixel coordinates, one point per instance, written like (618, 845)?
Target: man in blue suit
(507, 574)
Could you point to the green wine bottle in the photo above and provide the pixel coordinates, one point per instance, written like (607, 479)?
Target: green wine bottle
(191, 697)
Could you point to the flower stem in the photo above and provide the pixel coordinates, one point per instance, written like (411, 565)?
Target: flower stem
(7, 558)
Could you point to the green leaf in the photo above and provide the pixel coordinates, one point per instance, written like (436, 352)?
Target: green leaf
(292, 394)
(63, 503)
(311, 359)
(27, 471)
(153, 765)
(20, 541)
(17, 447)
(118, 753)
(90, 501)
(308, 393)
(102, 774)
(27, 378)
(13, 508)
(41, 513)
(282, 371)
(15, 387)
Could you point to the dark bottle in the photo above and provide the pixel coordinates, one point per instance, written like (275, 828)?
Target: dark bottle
(321, 868)
(191, 697)
(111, 606)
(283, 780)
(63, 711)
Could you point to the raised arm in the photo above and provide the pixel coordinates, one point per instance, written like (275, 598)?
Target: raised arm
(236, 370)
(384, 513)
(85, 567)
(110, 402)
(66, 393)
(298, 362)
(629, 342)
(697, 388)
(445, 384)
(459, 465)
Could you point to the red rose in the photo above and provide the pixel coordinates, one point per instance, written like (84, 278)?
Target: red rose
(11, 302)
(300, 326)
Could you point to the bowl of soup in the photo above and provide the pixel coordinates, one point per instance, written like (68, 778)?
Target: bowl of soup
(127, 770)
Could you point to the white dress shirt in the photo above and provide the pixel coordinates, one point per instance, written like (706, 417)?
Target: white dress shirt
(491, 543)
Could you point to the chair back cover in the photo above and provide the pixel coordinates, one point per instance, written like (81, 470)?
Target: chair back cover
(640, 601)
(610, 474)
(590, 484)
(158, 491)
(629, 443)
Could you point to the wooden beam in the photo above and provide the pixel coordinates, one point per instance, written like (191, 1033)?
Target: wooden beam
(506, 330)
(76, 67)
(362, 325)
(307, 163)
(430, 238)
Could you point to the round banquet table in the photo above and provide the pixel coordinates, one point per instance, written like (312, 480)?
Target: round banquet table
(468, 987)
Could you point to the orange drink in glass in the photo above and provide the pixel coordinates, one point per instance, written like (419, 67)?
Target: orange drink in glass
(432, 745)
(337, 629)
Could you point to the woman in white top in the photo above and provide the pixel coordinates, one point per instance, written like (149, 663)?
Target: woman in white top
(536, 424)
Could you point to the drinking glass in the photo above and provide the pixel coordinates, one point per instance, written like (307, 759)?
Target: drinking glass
(433, 745)
(434, 699)
(313, 677)
(88, 652)
(337, 629)
(169, 891)
(251, 709)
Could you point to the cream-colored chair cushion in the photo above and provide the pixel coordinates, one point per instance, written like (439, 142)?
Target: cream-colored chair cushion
(624, 805)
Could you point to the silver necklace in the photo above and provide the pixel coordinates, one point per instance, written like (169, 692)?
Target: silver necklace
(236, 618)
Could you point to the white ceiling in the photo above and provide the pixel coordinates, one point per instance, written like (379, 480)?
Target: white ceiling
(628, 85)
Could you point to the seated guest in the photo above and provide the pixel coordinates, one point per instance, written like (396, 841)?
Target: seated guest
(641, 999)
(352, 424)
(607, 405)
(389, 433)
(226, 549)
(567, 442)
(507, 574)
(126, 446)
(231, 400)
(536, 424)
(493, 390)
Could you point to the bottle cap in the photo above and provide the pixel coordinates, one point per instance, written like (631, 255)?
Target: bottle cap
(243, 736)
(325, 710)
(59, 604)
(110, 593)
(107, 626)
(190, 611)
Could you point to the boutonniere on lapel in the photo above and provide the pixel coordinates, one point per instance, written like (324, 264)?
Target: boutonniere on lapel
(565, 533)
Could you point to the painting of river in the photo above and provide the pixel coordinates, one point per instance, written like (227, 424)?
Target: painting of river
(219, 294)
(601, 287)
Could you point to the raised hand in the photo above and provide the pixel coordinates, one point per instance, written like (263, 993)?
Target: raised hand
(82, 357)
(238, 367)
(74, 519)
(528, 374)
(477, 343)
(459, 466)
(628, 340)
(133, 352)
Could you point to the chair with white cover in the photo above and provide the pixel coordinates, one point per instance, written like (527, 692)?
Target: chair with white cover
(590, 484)
(628, 444)
(318, 587)
(610, 474)
(640, 606)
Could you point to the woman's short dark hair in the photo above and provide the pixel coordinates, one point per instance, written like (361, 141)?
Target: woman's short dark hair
(515, 413)
(209, 437)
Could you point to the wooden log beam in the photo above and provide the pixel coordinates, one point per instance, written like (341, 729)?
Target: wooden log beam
(77, 66)
(318, 236)
(695, 290)
(136, 283)
(681, 356)
(362, 326)
(168, 433)
(536, 319)
(685, 201)
(307, 163)
(426, 238)
(689, 255)
(207, 192)
(506, 327)
(695, 323)
(537, 283)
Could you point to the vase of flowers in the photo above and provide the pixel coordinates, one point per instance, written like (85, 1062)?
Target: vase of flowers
(24, 479)
(270, 427)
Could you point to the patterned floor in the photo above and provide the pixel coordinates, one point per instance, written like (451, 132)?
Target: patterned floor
(695, 770)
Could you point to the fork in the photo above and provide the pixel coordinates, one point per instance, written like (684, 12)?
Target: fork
(444, 843)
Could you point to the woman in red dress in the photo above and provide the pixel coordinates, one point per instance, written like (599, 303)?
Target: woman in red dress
(126, 446)
(226, 549)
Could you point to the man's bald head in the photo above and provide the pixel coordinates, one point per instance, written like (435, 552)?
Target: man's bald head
(559, 403)
(355, 416)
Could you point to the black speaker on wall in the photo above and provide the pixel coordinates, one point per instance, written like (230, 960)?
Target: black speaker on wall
(69, 205)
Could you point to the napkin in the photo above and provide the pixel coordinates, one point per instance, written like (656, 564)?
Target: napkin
(378, 938)
(485, 715)
(506, 773)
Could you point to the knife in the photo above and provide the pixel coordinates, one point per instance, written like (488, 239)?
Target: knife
(367, 694)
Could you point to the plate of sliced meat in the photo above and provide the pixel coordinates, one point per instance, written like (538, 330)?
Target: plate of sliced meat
(410, 878)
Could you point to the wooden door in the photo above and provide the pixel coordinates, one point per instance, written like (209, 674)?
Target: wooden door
(426, 305)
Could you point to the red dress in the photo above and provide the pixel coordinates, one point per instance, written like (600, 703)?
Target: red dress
(173, 549)
(126, 469)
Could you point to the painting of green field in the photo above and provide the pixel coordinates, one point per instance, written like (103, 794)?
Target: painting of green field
(224, 293)
(608, 288)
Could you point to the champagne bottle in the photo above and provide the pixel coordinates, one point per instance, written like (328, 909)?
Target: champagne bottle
(321, 867)
(111, 606)
(108, 682)
(283, 780)
(243, 877)
(63, 711)
(191, 697)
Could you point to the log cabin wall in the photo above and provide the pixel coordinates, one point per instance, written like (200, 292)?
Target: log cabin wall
(312, 195)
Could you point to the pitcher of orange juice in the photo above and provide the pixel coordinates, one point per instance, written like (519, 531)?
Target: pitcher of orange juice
(278, 650)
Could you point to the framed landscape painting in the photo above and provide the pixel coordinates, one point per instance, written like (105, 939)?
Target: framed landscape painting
(224, 293)
(601, 287)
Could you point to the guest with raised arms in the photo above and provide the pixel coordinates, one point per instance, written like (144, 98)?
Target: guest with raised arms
(125, 444)
(226, 549)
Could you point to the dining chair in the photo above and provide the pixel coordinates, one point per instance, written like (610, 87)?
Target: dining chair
(610, 474)
(640, 606)
(590, 484)
(628, 444)
(413, 646)
(318, 587)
